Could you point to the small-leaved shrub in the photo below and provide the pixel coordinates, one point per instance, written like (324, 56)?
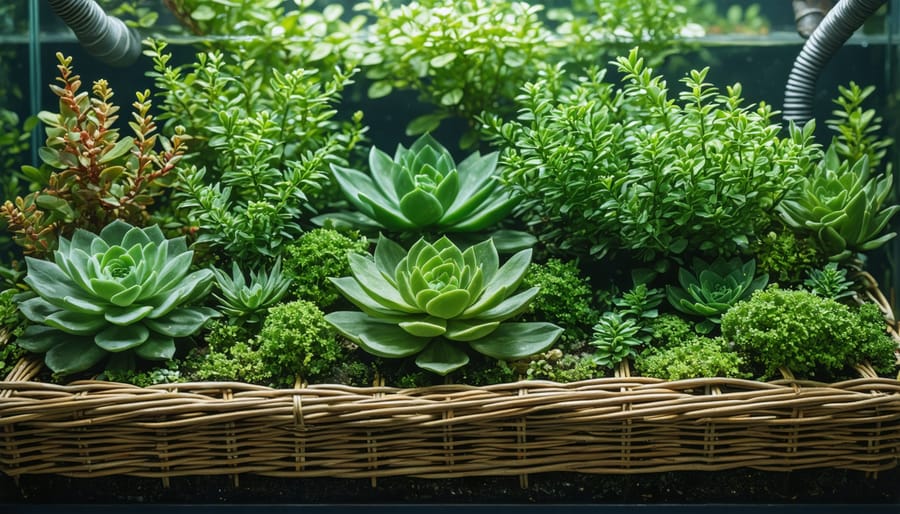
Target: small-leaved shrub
(297, 343)
(698, 357)
(564, 296)
(317, 255)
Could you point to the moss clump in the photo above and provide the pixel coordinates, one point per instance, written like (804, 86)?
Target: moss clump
(564, 298)
(296, 341)
(696, 357)
(670, 330)
(809, 335)
(317, 255)
(786, 257)
(565, 368)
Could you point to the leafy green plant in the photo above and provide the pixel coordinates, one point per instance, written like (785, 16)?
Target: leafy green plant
(670, 330)
(462, 57)
(604, 168)
(830, 282)
(92, 174)
(564, 296)
(786, 255)
(428, 300)
(858, 130)
(124, 293)
(710, 289)
(844, 205)
(297, 342)
(616, 338)
(246, 301)
(317, 255)
(807, 334)
(262, 147)
(422, 189)
(696, 358)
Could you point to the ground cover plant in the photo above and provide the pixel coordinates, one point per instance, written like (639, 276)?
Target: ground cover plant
(596, 218)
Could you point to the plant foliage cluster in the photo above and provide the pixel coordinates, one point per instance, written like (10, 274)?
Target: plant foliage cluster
(251, 237)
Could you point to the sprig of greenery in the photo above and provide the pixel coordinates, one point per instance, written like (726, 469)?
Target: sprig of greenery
(830, 282)
(616, 338)
(605, 169)
(858, 130)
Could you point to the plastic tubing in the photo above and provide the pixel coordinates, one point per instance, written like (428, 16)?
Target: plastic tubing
(105, 37)
(835, 29)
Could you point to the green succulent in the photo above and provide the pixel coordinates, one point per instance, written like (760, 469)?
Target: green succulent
(423, 189)
(843, 205)
(830, 282)
(245, 302)
(429, 300)
(709, 290)
(124, 293)
(616, 339)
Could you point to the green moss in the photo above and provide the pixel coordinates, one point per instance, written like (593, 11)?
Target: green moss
(670, 330)
(695, 358)
(564, 299)
(786, 257)
(168, 373)
(296, 341)
(809, 335)
(567, 368)
(317, 255)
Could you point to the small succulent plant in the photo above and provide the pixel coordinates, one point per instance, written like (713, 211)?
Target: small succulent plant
(616, 339)
(126, 293)
(830, 282)
(844, 205)
(246, 301)
(709, 290)
(422, 189)
(435, 299)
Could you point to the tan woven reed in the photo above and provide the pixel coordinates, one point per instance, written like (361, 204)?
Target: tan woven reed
(616, 425)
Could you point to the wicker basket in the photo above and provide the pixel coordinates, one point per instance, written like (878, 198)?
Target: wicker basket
(617, 425)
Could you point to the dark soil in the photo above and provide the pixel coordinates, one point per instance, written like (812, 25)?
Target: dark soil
(734, 486)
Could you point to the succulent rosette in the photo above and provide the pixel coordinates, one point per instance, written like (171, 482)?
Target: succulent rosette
(422, 189)
(435, 300)
(126, 293)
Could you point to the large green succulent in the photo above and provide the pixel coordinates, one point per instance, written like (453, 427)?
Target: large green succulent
(435, 299)
(422, 189)
(126, 292)
(843, 204)
(709, 290)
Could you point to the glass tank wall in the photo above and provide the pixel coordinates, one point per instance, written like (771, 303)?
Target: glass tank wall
(753, 43)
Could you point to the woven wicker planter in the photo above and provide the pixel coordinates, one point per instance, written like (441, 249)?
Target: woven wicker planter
(612, 425)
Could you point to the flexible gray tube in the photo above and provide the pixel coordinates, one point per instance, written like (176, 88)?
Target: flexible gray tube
(105, 37)
(839, 24)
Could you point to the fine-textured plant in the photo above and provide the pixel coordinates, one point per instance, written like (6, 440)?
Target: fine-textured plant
(830, 282)
(422, 189)
(92, 175)
(427, 301)
(710, 289)
(844, 204)
(699, 357)
(296, 342)
(807, 334)
(317, 255)
(124, 293)
(564, 296)
(604, 168)
(616, 338)
(786, 255)
(245, 301)
(462, 57)
(262, 147)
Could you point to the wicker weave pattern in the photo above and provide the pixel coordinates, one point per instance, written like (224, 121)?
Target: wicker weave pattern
(611, 425)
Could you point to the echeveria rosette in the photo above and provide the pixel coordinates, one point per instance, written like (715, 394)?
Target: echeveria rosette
(421, 189)
(435, 300)
(709, 290)
(843, 205)
(125, 293)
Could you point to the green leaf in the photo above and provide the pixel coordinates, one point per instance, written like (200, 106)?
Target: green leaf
(517, 340)
(128, 315)
(73, 355)
(106, 289)
(442, 60)
(119, 339)
(181, 322)
(421, 207)
(76, 323)
(157, 348)
(37, 309)
(506, 280)
(374, 336)
(427, 327)
(121, 148)
(126, 297)
(380, 89)
(424, 124)
(449, 304)
(40, 338)
(442, 357)
(376, 285)
(470, 330)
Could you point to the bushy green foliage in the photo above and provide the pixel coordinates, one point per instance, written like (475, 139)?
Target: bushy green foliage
(462, 57)
(296, 341)
(785, 255)
(830, 282)
(809, 335)
(170, 373)
(696, 357)
(858, 130)
(263, 145)
(605, 168)
(670, 330)
(565, 368)
(564, 296)
(230, 355)
(317, 255)
(877, 349)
